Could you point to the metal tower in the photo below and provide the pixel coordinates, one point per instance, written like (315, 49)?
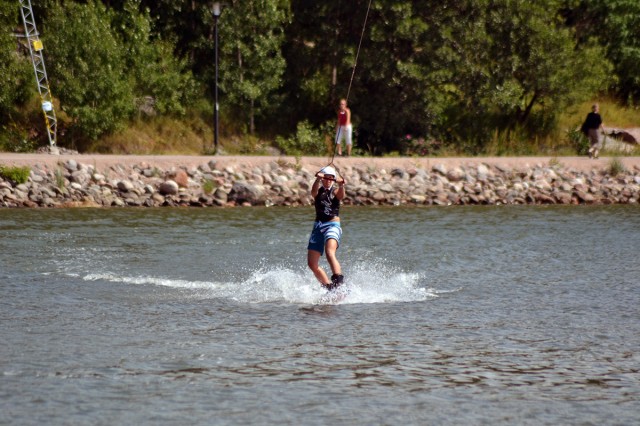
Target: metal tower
(35, 49)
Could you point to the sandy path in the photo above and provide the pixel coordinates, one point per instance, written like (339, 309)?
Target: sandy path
(313, 163)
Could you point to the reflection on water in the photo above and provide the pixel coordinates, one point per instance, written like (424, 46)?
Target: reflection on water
(500, 315)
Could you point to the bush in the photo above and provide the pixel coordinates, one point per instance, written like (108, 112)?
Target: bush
(13, 138)
(307, 140)
(616, 167)
(578, 140)
(419, 147)
(17, 175)
(87, 65)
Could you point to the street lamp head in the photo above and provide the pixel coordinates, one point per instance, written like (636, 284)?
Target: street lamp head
(216, 9)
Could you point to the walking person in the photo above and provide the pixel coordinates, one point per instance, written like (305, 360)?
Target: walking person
(327, 191)
(593, 129)
(344, 129)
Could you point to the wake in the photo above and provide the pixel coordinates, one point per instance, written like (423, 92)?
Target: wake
(366, 283)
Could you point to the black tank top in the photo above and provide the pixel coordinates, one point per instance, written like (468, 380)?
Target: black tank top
(593, 120)
(327, 204)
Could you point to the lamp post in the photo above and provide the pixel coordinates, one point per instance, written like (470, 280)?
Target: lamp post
(216, 15)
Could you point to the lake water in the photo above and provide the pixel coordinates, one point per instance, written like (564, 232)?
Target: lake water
(456, 315)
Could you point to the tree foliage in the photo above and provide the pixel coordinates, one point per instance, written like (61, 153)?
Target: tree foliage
(516, 66)
(16, 74)
(253, 65)
(615, 25)
(453, 70)
(157, 73)
(88, 64)
(108, 64)
(457, 71)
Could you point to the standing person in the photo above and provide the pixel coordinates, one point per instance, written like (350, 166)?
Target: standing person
(326, 233)
(344, 129)
(593, 128)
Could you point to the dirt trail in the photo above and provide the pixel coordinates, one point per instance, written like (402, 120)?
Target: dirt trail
(167, 161)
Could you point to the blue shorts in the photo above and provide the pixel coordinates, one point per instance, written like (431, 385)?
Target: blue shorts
(323, 232)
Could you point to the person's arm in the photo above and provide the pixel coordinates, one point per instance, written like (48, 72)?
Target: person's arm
(340, 192)
(316, 185)
(348, 116)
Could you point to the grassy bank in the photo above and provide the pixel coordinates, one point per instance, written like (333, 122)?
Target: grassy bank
(193, 135)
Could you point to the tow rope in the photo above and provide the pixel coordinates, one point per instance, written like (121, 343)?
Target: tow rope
(353, 73)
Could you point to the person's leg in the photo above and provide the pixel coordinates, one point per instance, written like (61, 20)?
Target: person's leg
(339, 135)
(313, 258)
(593, 141)
(330, 249)
(336, 277)
(598, 146)
(348, 139)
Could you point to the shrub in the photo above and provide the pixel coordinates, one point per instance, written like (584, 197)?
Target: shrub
(616, 167)
(15, 139)
(87, 62)
(243, 145)
(308, 140)
(16, 175)
(60, 179)
(419, 147)
(578, 140)
(208, 186)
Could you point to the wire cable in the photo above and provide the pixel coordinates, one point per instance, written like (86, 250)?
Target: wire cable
(353, 73)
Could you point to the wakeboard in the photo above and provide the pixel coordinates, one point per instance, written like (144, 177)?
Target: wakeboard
(332, 297)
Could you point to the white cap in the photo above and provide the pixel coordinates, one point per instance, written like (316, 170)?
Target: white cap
(328, 170)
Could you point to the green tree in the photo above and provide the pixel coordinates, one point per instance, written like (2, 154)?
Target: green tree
(252, 64)
(621, 33)
(318, 47)
(18, 122)
(158, 74)
(16, 75)
(615, 25)
(518, 67)
(457, 71)
(189, 25)
(320, 50)
(88, 68)
(460, 71)
(396, 88)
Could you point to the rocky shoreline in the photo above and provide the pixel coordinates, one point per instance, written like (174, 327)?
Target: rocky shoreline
(280, 182)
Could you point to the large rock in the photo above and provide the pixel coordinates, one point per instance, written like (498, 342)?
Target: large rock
(168, 187)
(455, 174)
(180, 177)
(277, 184)
(71, 165)
(483, 172)
(125, 186)
(221, 195)
(244, 192)
(583, 196)
(439, 168)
